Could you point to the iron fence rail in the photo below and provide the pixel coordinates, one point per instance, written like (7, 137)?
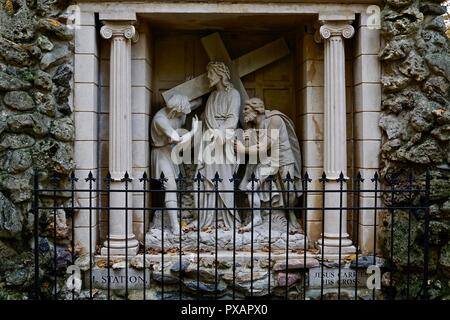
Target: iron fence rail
(414, 194)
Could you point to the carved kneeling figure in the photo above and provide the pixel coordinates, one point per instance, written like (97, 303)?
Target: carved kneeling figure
(273, 142)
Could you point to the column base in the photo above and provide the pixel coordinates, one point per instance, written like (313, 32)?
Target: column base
(335, 250)
(118, 248)
(331, 246)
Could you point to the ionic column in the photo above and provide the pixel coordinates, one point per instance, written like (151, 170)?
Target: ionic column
(120, 140)
(335, 135)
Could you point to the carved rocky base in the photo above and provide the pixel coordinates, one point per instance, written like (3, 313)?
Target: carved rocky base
(227, 239)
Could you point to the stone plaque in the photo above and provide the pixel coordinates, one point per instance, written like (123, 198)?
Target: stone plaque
(331, 277)
(118, 278)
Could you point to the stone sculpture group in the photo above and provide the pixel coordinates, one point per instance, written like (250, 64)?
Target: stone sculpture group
(272, 181)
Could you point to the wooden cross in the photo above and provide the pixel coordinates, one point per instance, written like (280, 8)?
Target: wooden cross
(239, 68)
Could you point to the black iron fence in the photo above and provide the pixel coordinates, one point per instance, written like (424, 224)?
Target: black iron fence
(275, 259)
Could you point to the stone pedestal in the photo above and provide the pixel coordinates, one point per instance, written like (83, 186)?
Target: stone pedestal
(121, 238)
(335, 138)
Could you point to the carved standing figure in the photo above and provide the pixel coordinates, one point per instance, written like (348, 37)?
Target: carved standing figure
(221, 113)
(165, 134)
(278, 152)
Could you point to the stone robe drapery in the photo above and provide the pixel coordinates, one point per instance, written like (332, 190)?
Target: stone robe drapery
(221, 113)
(289, 160)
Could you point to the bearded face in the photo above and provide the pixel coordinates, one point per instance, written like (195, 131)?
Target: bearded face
(249, 114)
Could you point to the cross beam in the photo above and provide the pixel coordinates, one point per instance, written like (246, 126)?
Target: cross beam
(239, 68)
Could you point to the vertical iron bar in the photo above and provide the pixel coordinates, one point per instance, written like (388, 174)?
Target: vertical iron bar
(108, 239)
(306, 180)
(198, 179)
(144, 180)
(375, 180)
(235, 187)
(288, 180)
(162, 179)
(323, 180)
(127, 180)
(426, 235)
(216, 181)
(253, 180)
(72, 180)
(36, 236)
(341, 186)
(358, 181)
(179, 182)
(55, 265)
(271, 181)
(408, 274)
(392, 240)
(90, 179)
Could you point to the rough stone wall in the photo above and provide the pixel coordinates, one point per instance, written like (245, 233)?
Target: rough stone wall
(36, 131)
(415, 122)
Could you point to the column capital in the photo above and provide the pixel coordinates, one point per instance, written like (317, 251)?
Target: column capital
(336, 28)
(119, 29)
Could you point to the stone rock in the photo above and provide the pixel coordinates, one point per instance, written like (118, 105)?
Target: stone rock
(426, 152)
(20, 276)
(62, 98)
(20, 21)
(439, 63)
(10, 218)
(421, 117)
(437, 24)
(14, 53)
(16, 141)
(49, 8)
(45, 104)
(177, 267)
(63, 129)
(395, 83)
(168, 279)
(19, 100)
(432, 9)
(444, 259)
(367, 261)
(288, 280)
(55, 57)
(20, 123)
(63, 75)
(10, 83)
(442, 133)
(201, 287)
(439, 233)
(63, 258)
(33, 124)
(398, 3)
(6, 252)
(83, 262)
(55, 28)
(53, 154)
(43, 80)
(432, 42)
(19, 187)
(138, 262)
(396, 49)
(445, 208)
(19, 160)
(414, 67)
(205, 274)
(44, 43)
(405, 22)
(293, 264)
(436, 86)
